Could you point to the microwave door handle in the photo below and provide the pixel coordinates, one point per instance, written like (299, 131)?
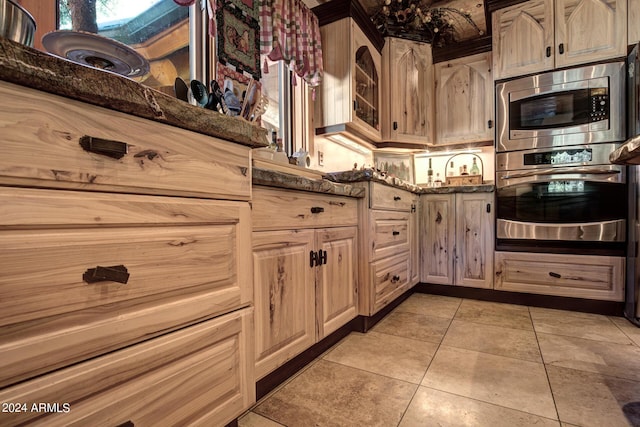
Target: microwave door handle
(562, 171)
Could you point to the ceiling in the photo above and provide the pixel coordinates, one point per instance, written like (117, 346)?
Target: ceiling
(464, 31)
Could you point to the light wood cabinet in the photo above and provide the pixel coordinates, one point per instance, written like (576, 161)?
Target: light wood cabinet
(634, 22)
(351, 86)
(541, 35)
(388, 217)
(464, 100)
(122, 299)
(408, 91)
(457, 239)
(579, 276)
(305, 278)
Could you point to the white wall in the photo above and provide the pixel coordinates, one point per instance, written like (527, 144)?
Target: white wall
(337, 157)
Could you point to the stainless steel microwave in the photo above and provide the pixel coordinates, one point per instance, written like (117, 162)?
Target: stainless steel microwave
(583, 105)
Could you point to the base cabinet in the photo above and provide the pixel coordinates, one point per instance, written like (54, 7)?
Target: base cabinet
(578, 276)
(388, 220)
(305, 279)
(457, 239)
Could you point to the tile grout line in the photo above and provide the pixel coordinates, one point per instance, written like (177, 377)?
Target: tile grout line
(544, 365)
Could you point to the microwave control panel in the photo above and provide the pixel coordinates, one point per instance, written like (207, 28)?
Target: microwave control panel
(599, 99)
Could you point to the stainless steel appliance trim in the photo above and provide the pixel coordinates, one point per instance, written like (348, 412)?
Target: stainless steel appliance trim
(515, 160)
(597, 132)
(605, 231)
(612, 173)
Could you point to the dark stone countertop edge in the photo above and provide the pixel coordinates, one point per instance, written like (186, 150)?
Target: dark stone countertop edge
(628, 153)
(375, 176)
(34, 69)
(288, 181)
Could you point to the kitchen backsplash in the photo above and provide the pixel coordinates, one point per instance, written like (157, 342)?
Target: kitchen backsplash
(440, 160)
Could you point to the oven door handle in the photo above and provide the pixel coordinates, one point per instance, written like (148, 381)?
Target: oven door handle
(562, 171)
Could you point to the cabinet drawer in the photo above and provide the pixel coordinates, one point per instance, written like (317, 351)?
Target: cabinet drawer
(275, 209)
(389, 233)
(390, 279)
(579, 276)
(41, 147)
(385, 197)
(180, 254)
(200, 375)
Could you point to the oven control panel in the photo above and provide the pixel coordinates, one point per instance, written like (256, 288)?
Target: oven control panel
(599, 103)
(558, 157)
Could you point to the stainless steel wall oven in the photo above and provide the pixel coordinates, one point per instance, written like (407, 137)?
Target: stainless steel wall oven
(555, 187)
(565, 199)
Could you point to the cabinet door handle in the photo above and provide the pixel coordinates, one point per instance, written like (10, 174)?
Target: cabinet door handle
(316, 209)
(116, 273)
(395, 279)
(438, 218)
(556, 275)
(548, 51)
(395, 125)
(490, 124)
(322, 257)
(396, 233)
(105, 147)
(355, 105)
(561, 48)
(396, 198)
(488, 207)
(413, 208)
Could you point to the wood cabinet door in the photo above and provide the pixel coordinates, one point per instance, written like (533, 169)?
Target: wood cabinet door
(523, 39)
(590, 30)
(634, 22)
(284, 296)
(336, 280)
(474, 240)
(414, 241)
(438, 230)
(366, 87)
(464, 100)
(408, 85)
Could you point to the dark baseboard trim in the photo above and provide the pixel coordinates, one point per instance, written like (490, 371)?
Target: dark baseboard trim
(368, 322)
(359, 324)
(608, 308)
(277, 377)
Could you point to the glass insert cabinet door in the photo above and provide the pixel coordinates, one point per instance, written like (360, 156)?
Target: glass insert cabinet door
(366, 85)
(172, 38)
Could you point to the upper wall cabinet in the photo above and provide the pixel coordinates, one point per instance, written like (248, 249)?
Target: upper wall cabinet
(408, 91)
(540, 35)
(634, 21)
(351, 86)
(464, 100)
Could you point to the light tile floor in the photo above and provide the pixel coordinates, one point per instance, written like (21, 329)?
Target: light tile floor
(441, 361)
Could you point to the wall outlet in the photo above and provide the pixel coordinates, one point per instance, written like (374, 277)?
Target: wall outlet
(320, 158)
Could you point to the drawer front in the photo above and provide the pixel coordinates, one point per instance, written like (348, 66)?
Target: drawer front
(41, 147)
(275, 209)
(386, 197)
(390, 279)
(389, 233)
(52, 313)
(579, 276)
(200, 375)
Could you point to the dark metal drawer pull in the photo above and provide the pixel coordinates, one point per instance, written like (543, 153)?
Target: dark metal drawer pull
(556, 275)
(396, 233)
(126, 424)
(395, 279)
(105, 147)
(396, 198)
(316, 209)
(116, 273)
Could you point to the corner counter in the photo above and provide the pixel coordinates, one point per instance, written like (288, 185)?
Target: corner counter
(628, 153)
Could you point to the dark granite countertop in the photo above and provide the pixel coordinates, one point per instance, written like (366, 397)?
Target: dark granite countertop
(375, 176)
(279, 179)
(29, 67)
(628, 153)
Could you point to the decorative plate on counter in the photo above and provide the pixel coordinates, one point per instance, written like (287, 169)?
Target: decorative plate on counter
(96, 51)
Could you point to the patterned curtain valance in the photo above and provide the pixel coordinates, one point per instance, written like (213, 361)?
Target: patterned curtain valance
(290, 31)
